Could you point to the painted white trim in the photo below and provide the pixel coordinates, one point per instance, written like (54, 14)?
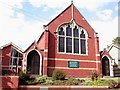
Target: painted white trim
(73, 54)
(98, 61)
(110, 64)
(45, 58)
(62, 59)
(14, 66)
(23, 62)
(40, 68)
(72, 68)
(97, 54)
(113, 45)
(46, 50)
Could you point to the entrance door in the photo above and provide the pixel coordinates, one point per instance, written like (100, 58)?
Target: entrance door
(105, 66)
(33, 62)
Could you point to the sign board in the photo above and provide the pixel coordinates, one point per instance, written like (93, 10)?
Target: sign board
(73, 64)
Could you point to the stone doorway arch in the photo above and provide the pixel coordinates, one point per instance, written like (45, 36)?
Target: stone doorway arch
(33, 62)
(105, 66)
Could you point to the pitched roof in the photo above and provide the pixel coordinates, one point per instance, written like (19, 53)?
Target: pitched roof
(59, 15)
(113, 45)
(12, 44)
(73, 11)
(106, 53)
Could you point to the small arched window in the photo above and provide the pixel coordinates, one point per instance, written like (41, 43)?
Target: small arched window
(72, 39)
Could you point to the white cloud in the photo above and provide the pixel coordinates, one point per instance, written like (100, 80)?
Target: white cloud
(20, 32)
(20, 15)
(49, 3)
(117, 7)
(12, 3)
(6, 9)
(107, 30)
(105, 14)
(91, 5)
(23, 33)
(17, 30)
(45, 9)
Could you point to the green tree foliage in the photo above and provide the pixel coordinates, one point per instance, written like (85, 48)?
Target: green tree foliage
(116, 40)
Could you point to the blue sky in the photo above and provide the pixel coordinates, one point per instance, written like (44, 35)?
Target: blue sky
(22, 21)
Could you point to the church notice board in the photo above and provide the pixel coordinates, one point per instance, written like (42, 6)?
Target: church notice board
(73, 64)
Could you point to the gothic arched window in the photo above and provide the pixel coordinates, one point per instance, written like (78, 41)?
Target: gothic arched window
(72, 39)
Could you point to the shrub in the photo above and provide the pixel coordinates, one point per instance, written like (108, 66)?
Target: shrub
(72, 81)
(41, 79)
(59, 82)
(49, 82)
(114, 84)
(94, 75)
(58, 75)
(23, 77)
(82, 80)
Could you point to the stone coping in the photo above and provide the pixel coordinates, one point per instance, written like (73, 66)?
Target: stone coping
(9, 76)
(38, 86)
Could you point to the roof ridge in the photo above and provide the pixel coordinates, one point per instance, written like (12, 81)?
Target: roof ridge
(59, 14)
(11, 43)
(113, 45)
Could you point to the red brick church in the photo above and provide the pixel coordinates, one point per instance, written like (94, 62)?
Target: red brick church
(68, 43)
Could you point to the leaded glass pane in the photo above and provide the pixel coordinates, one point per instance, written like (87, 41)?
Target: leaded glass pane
(69, 45)
(68, 31)
(82, 35)
(14, 61)
(76, 32)
(61, 44)
(61, 31)
(83, 46)
(76, 45)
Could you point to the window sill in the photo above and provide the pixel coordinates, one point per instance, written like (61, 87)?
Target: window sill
(73, 54)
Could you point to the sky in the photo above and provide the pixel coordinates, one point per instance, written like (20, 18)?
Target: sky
(21, 21)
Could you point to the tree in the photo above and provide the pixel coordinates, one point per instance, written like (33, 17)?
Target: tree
(116, 40)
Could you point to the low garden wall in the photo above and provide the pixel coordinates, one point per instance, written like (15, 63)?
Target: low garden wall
(9, 82)
(35, 87)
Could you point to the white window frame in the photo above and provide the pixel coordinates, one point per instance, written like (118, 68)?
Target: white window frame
(72, 25)
(11, 65)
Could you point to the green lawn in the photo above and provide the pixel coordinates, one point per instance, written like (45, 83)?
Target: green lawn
(110, 82)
